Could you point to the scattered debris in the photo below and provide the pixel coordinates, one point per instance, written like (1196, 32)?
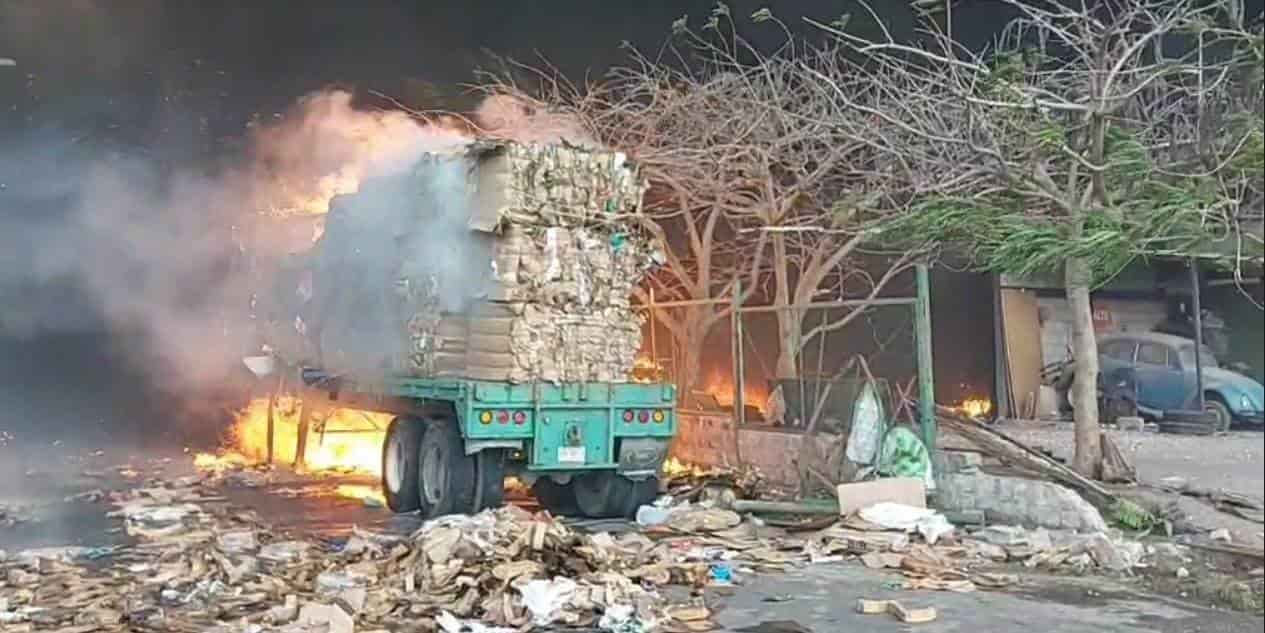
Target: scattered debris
(894, 516)
(901, 490)
(896, 609)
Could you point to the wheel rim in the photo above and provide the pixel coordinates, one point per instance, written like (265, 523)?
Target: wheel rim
(434, 474)
(393, 469)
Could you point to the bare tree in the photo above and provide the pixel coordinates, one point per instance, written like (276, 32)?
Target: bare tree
(1091, 134)
(754, 179)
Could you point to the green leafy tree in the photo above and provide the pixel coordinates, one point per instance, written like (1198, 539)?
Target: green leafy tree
(1090, 135)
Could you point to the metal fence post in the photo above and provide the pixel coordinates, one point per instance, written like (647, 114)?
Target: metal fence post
(926, 375)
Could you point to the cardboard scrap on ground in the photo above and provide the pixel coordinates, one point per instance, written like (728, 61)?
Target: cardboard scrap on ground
(906, 615)
(208, 567)
(902, 490)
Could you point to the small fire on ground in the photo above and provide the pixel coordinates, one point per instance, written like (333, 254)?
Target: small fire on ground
(976, 407)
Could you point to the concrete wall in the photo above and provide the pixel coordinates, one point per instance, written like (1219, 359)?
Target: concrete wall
(1126, 315)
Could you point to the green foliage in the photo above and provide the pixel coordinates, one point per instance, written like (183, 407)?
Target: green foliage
(1132, 516)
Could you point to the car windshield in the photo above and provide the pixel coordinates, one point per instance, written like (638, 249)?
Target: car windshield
(1206, 357)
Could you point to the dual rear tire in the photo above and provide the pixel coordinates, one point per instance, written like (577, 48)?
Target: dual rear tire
(597, 495)
(425, 468)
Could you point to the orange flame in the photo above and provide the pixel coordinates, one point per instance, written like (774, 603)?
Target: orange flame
(722, 387)
(347, 440)
(976, 407)
(646, 370)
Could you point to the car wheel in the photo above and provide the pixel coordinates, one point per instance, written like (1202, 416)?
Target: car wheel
(1222, 418)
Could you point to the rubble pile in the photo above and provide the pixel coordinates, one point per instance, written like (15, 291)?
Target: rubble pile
(497, 262)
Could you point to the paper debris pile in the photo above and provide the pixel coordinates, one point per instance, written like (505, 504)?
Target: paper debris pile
(495, 262)
(11, 515)
(201, 565)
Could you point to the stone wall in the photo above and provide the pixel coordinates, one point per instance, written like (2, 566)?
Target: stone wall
(961, 486)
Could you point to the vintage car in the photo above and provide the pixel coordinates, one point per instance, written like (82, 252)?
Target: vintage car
(1154, 373)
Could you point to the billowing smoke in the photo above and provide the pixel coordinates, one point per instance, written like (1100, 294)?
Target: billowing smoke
(173, 254)
(90, 236)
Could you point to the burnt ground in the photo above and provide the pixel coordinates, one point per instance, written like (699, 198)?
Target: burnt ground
(1230, 462)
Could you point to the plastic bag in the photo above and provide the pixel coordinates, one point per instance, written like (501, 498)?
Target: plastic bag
(867, 427)
(904, 455)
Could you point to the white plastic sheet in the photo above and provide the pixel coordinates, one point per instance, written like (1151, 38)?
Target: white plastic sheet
(896, 516)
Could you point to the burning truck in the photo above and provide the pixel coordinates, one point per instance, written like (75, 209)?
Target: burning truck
(479, 298)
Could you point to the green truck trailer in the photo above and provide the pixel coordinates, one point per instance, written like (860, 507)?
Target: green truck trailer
(592, 448)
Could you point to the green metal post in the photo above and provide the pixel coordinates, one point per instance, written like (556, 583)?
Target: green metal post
(926, 376)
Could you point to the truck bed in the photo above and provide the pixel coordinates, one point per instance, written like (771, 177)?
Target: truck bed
(543, 416)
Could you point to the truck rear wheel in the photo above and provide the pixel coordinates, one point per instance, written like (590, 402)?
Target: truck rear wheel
(489, 472)
(557, 498)
(399, 464)
(607, 494)
(445, 473)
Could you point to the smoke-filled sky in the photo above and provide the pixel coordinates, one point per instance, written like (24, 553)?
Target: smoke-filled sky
(129, 129)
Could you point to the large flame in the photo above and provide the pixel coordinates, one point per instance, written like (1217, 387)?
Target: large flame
(722, 388)
(326, 147)
(347, 440)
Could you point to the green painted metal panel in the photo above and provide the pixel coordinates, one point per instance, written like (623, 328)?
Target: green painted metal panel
(558, 419)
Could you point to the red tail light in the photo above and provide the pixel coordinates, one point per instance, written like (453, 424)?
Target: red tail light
(643, 417)
(628, 416)
(520, 418)
(503, 417)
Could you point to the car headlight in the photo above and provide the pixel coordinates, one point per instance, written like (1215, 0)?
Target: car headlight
(1246, 404)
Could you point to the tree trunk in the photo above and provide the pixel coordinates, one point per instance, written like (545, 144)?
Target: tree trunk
(788, 325)
(1084, 394)
(691, 356)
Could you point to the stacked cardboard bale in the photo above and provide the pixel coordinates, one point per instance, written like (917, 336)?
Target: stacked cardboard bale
(525, 274)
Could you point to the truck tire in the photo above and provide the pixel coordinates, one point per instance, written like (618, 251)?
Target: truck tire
(445, 480)
(557, 498)
(609, 495)
(399, 464)
(489, 473)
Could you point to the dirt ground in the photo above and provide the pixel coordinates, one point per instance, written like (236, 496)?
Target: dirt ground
(810, 599)
(1229, 462)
